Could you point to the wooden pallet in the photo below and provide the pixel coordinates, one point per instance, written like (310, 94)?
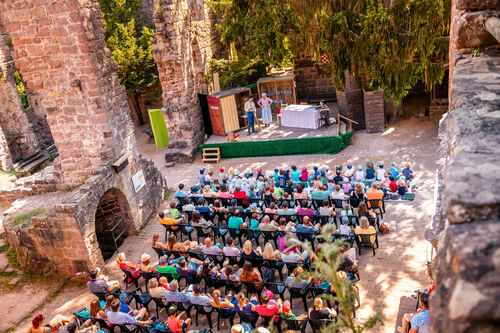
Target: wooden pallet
(211, 155)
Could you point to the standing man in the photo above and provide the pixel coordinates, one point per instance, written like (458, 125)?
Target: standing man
(265, 104)
(250, 110)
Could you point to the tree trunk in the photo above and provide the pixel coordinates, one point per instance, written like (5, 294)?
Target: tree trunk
(136, 108)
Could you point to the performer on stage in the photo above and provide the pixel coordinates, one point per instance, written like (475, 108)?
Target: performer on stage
(265, 104)
(325, 111)
(250, 110)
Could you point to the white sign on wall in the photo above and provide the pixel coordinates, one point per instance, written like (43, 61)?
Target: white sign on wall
(139, 181)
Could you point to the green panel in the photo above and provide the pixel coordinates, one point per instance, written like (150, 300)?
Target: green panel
(304, 146)
(159, 128)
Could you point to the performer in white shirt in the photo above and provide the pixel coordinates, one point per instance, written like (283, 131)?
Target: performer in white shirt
(250, 110)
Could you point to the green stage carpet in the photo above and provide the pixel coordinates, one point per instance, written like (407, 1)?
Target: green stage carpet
(304, 146)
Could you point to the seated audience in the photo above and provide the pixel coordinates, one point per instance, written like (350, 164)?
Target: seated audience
(418, 322)
(96, 285)
(174, 321)
(320, 312)
(115, 316)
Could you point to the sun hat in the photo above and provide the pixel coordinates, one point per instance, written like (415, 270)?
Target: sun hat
(57, 320)
(294, 167)
(315, 167)
(341, 275)
(233, 201)
(322, 172)
(202, 170)
(276, 169)
(221, 169)
(259, 171)
(380, 165)
(360, 167)
(337, 172)
(349, 166)
(236, 172)
(393, 163)
(304, 168)
(285, 167)
(145, 257)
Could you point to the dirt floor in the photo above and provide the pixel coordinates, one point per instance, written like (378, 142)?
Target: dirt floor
(387, 279)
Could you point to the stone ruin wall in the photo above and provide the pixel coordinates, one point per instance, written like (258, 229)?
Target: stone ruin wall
(185, 41)
(59, 49)
(65, 237)
(465, 226)
(312, 80)
(18, 139)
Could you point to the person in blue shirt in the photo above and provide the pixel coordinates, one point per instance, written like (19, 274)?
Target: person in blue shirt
(407, 172)
(286, 172)
(276, 175)
(180, 193)
(419, 322)
(370, 171)
(295, 174)
(394, 172)
(201, 177)
(281, 182)
(316, 172)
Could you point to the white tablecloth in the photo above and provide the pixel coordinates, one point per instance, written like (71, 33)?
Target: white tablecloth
(303, 116)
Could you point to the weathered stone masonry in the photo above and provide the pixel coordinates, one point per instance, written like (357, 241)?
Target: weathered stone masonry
(59, 49)
(185, 41)
(466, 222)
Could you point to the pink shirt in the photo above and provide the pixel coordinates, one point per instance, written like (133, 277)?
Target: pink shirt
(226, 195)
(265, 102)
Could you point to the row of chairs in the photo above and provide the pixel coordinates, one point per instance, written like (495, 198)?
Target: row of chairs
(378, 204)
(143, 299)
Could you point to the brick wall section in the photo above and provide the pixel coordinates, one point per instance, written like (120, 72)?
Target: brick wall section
(185, 41)
(60, 51)
(373, 102)
(18, 132)
(351, 106)
(317, 83)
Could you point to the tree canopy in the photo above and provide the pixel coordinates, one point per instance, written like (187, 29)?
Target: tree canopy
(384, 47)
(130, 43)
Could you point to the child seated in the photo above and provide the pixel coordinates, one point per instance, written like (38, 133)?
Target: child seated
(174, 212)
(345, 229)
(349, 172)
(286, 312)
(370, 171)
(407, 172)
(346, 213)
(359, 176)
(402, 188)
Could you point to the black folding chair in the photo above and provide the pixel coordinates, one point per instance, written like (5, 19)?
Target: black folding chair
(277, 288)
(250, 319)
(202, 232)
(363, 240)
(130, 278)
(253, 287)
(319, 324)
(148, 276)
(224, 314)
(270, 236)
(296, 325)
(103, 324)
(159, 304)
(220, 233)
(274, 265)
(141, 298)
(376, 204)
(202, 310)
(298, 293)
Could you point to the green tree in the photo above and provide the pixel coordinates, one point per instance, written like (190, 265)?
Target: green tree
(387, 47)
(130, 43)
(21, 89)
(256, 33)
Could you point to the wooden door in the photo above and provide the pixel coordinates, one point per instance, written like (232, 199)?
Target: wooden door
(230, 114)
(215, 115)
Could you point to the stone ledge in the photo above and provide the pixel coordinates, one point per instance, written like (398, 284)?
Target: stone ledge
(469, 279)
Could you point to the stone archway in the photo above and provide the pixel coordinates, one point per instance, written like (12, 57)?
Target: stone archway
(112, 213)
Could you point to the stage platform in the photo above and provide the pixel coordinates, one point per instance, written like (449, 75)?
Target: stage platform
(275, 132)
(277, 141)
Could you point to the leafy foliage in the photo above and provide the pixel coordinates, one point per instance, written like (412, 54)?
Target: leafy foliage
(384, 47)
(25, 218)
(21, 89)
(130, 43)
(257, 34)
(259, 29)
(325, 268)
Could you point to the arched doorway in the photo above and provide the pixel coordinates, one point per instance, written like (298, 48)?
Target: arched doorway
(113, 221)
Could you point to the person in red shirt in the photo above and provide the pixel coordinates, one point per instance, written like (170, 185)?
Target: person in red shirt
(393, 186)
(266, 309)
(175, 324)
(239, 194)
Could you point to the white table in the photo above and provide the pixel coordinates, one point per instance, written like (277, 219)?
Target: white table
(303, 116)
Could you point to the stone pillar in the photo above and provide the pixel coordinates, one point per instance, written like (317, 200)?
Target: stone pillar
(5, 158)
(184, 43)
(60, 50)
(466, 221)
(19, 135)
(374, 111)
(350, 101)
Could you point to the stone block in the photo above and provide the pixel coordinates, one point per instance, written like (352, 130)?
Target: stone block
(472, 5)
(469, 31)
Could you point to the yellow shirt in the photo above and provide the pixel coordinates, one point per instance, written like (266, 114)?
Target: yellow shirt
(370, 231)
(169, 221)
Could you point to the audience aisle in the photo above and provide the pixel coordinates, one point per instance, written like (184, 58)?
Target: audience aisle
(387, 279)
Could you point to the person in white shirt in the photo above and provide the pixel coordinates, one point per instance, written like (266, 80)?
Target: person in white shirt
(359, 176)
(380, 173)
(250, 110)
(230, 249)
